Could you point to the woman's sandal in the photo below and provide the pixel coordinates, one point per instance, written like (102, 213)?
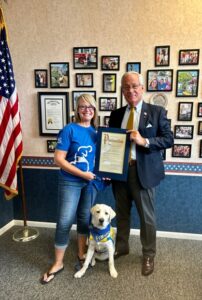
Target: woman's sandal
(53, 274)
(79, 263)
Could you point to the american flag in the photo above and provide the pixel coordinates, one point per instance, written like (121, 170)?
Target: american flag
(10, 125)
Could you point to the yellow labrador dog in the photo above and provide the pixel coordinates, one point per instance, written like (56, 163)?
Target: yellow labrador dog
(101, 241)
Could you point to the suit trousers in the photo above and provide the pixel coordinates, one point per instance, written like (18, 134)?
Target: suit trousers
(125, 193)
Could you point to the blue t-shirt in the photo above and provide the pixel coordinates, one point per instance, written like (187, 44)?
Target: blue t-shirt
(80, 144)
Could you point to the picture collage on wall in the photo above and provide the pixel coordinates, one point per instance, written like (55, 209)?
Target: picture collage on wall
(158, 81)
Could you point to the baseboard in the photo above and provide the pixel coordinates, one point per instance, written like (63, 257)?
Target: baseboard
(172, 235)
(7, 227)
(164, 234)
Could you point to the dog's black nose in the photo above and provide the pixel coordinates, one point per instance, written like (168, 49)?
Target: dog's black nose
(101, 220)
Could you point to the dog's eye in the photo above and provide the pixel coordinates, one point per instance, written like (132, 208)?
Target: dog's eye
(98, 211)
(106, 213)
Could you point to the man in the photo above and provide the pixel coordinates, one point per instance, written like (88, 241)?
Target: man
(150, 134)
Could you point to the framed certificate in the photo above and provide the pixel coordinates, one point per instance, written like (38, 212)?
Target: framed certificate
(112, 153)
(53, 112)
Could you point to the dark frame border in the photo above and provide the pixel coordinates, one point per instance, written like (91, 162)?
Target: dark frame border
(49, 146)
(60, 86)
(104, 83)
(54, 97)
(182, 155)
(187, 117)
(100, 104)
(183, 94)
(38, 85)
(187, 63)
(160, 73)
(200, 128)
(83, 74)
(106, 120)
(157, 48)
(176, 136)
(135, 68)
(200, 149)
(107, 67)
(84, 64)
(199, 110)
(115, 176)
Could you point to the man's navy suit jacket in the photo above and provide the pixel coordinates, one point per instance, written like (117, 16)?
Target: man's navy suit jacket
(154, 126)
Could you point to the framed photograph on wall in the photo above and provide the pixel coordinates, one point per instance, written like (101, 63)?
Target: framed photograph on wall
(183, 132)
(162, 56)
(199, 111)
(76, 94)
(181, 150)
(163, 154)
(107, 103)
(84, 79)
(187, 83)
(200, 128)
(106, 121)
(109, 83)
(133, 67)
(53, 112)
(189, 57)
(200, 150)
(73, 119)
(51, 144)
(41, 78)
(85, 57)
(109, 62)
(185, 111)
(159, 80)
(59, 75)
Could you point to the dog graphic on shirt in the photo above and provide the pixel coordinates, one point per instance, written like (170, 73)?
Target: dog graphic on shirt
(81, 155)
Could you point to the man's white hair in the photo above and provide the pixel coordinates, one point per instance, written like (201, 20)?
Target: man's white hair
(140, 77)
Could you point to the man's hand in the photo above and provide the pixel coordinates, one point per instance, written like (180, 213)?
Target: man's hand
(136, 138)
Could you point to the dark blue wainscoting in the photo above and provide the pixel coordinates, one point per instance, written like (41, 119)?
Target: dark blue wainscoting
(6, 210)
(178, 201)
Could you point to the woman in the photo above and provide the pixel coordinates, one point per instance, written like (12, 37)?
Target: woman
(74, 154)
(153, 85)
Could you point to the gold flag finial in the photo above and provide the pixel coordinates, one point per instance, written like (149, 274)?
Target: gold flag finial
(2, 23)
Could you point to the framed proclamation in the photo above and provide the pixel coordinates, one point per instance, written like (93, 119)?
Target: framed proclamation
(112, 153)
(53, 112)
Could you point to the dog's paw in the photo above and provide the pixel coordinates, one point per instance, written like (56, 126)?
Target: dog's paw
(79, 274)
(113, 273)
(93, 262)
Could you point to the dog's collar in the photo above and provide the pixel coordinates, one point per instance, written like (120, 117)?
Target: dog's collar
(100, 235)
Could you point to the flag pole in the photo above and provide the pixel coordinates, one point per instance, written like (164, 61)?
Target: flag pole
(26, 234)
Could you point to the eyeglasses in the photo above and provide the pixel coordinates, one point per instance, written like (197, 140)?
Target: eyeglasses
(83, 107)
(133, 87)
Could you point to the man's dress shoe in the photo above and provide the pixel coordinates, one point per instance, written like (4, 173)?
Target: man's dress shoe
(147, 265)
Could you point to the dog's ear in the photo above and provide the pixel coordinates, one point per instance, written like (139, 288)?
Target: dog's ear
(93, 209)
(112, 213)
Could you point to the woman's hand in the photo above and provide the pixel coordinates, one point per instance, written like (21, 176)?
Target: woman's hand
(88, 176)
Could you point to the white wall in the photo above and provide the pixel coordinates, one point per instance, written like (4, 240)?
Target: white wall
(43, 31)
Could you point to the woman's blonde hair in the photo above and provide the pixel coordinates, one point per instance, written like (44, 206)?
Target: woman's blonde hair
(89, 99)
